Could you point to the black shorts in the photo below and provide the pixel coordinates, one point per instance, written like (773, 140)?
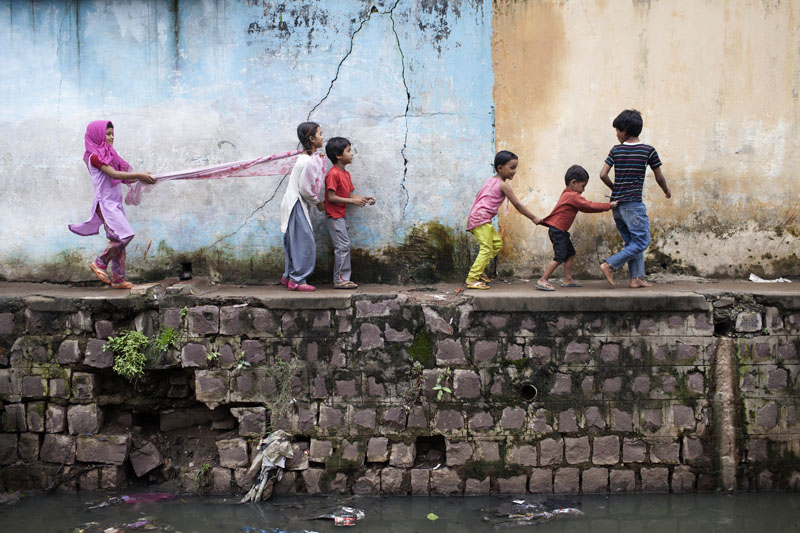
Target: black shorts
(562, 244)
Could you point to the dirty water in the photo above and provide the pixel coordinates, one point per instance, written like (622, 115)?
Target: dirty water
(629, 513)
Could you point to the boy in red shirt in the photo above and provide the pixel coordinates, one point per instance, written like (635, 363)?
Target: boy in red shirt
(560, 220)
(338, 191)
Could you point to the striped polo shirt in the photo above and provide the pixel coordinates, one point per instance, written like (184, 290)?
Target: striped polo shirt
(630, 163)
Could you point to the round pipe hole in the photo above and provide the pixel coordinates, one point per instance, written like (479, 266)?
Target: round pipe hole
(528, 392)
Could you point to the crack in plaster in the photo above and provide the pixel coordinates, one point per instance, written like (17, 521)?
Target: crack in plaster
(408, 105)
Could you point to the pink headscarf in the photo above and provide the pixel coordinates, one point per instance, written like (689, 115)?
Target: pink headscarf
(95, 142)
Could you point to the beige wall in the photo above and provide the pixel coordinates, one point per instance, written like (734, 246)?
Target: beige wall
(717, 83)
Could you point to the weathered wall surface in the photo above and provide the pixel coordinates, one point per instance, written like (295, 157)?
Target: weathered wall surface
(194, 83)
(717, 83)
(627, 401)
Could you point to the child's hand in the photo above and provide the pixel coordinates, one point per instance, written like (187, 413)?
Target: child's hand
(668, 193)
(614, 204)
(371, 200)
(360, 201)
(147, 178)
(537, 220)
(320, 206)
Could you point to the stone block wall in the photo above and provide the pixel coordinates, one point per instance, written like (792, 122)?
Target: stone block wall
(568, 399)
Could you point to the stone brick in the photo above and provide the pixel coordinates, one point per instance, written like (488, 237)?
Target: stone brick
(480, 421)
(487, 451)
(477, 487)
(347, 389)
(450, 352)
(541, 481)
(104, 329)
(393, 481)
(34, 387)
(612, 385)
(420, 481)
(85, 419)
(641, 384)
(594, 419)
(319, 388)
(765, 480)
(172, 419)
(696, 382)
(254, 352)
(211, 387)
(365, 418)
(652, 419)
(148, 458)
(89, 481)
(110, 449)
(655, 479)
(594, 481)
(551, 452)
(777, 379)
(252, 420)
(69, 352)
(203, 320)
(757, 450)
(232, 453)
(576, 450)
(609, 353)
(55, 418)
(466, 384)
(633, 451)
(221, 480)
(417, 418)
(512, 418)
(445, 482)
(622, 421)
(567, 481)
(371, 337)
(378, 450)
(748, 322)
(6, 324)
(458, 453)
(567, 421)
(562, 385)
(693, 450)
(312, 480)
(485, 351)
(395, 418)
(368, 484)
(85, 386)
(320, 450)
(577, 352)
(622, 481)
(96, 356)
(58, 449)
(541, 355)
(787, 351)
(668, 383)
(683, 479)
(436, 323)
(512, 485)
(8, 448)
(449, 420)
(539, 423)
(683, 417)
(767, 416)
(664, 452)
(35, 416)
(14, 419)
(402, 455)
(58, 388)
(524, 455)
(193, 355)
(375, 388)
(230, 320)
(112, 478)
(351, 451)
(329, 417)
(397, 336)
(261, 321)
(605, 450)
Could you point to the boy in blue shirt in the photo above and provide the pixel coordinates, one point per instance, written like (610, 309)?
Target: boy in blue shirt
(631, 159)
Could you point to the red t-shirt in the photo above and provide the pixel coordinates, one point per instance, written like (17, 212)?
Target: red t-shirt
(338, 181)
(568, 205)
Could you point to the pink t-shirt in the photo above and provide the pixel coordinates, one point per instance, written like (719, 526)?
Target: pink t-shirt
(487, 202)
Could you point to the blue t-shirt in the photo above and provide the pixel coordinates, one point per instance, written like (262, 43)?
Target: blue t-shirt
(630, 163)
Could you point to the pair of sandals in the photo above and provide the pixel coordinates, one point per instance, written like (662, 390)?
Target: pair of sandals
(482, 283)
(548, 287)
(103, 276)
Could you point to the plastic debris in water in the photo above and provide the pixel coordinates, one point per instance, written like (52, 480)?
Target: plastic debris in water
(432, 517)
(148, 497)
(346, 516)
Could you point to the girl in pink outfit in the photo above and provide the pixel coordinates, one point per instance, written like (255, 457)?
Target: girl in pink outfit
(494, 191)
(108, 171)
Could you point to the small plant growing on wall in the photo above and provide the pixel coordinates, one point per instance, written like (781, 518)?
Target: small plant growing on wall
(129, 358)
(442, 384)
(281, 373)
(413, 391)
(167, 338)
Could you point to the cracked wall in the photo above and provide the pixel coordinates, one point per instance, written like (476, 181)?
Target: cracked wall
(717, 83)
(195, 83)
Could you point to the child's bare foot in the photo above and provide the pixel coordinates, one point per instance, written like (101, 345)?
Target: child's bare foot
(639, 283)
(608, 272)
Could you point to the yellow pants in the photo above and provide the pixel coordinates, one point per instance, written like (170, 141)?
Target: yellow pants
(490, 243)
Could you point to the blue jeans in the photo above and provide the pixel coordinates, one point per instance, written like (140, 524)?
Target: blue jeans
(634, 227)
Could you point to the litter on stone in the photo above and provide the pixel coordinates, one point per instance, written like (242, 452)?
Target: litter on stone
(522, 513)
(269, 462)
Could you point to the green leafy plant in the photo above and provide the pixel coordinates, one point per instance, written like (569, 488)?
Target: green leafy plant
(442, 382)
(212, 356)
(184, 311)
(204, 470)
(129, 358)
(281, 373)
(241, 363)
(167, 338)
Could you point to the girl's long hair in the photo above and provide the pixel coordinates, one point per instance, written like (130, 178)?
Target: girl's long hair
(304, 132)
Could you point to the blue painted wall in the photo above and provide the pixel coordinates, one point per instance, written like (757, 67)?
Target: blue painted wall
(193, 83)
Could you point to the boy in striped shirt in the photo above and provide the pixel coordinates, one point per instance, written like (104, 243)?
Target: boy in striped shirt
(630, 159)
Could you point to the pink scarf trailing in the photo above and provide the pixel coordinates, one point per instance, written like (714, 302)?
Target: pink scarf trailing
(273, 165)
(95, 142)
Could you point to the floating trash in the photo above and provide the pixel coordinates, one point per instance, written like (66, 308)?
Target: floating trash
(524, 513)
(346, 516)
(269, 462)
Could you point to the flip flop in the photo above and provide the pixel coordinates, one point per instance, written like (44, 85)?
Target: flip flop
(345, 285)
(573, 284)
(484, 278)
(543, 287)
(477, 285)
(102, 276)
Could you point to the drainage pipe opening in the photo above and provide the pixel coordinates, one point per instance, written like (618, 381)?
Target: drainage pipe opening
(528, 392)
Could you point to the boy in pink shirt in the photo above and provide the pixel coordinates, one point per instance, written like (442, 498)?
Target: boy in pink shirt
(560, 220)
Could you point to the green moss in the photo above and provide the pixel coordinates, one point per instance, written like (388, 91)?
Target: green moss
(422, 349)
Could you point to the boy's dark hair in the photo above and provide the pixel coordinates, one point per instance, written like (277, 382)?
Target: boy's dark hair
(304, 131)
(503, 157)
(629, 121)
(335, 148)
(577, 173)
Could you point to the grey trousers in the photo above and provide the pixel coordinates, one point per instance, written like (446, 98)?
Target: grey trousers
(339, 229)
(299, 247)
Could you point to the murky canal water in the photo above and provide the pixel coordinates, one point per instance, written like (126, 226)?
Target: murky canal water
(631, 513)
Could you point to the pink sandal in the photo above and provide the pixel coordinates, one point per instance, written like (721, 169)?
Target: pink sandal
(303, 287)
